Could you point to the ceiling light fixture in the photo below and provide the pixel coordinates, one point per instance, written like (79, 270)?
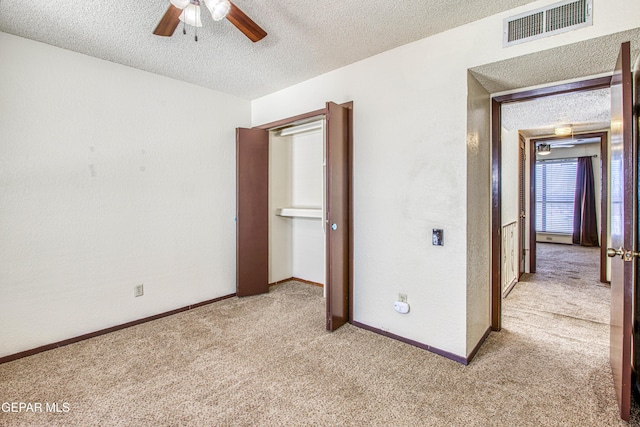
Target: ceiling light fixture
(543, 149)
(563, 131)
(191, 11)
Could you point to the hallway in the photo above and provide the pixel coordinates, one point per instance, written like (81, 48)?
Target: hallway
(566, 284)
(564, 309)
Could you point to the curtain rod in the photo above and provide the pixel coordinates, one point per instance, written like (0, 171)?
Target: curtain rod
(564, 159)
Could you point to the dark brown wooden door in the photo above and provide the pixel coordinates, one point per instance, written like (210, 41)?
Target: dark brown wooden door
(337, 205)
(252, 216)
(522, 226)
(622, 167)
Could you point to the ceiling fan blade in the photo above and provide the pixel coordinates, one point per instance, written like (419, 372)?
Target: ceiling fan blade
(245, 24)
(169, 22)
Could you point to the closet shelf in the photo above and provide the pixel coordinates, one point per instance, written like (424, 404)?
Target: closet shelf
(300, 212)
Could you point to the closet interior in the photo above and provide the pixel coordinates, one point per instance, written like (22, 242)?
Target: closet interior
(297, 244)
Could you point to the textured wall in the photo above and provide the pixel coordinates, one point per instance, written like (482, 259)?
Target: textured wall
(109, 177)
(478, 212)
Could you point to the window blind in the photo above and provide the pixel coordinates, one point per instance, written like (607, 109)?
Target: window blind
(555, 193)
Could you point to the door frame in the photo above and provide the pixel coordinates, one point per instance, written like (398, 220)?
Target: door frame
(496, 170)
(308, 116)
(604, 198)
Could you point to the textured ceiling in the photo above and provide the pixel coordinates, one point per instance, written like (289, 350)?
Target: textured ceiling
(585, 111)
(567, 62)
(305, 38)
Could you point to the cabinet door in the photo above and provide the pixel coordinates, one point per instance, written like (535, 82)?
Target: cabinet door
(252, 215)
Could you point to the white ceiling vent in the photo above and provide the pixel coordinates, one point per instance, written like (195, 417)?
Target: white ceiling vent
(547, 21)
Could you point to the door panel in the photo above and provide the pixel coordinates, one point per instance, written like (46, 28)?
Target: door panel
(337, 205)
(636, 317)
(252, 217)
(622, 227)
(522, 226)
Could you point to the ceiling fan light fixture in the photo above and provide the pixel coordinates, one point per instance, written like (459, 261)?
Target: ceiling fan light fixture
(219, 8)
(180, 4)
(543, 149)
(191, 15)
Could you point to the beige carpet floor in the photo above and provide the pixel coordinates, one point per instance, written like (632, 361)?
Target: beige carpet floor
(267, 361)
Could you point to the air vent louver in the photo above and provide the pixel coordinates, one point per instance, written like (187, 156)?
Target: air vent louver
(527, 26)
(554, 19)
(566, 15)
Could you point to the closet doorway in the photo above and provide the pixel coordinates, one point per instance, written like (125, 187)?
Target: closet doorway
(293, 197)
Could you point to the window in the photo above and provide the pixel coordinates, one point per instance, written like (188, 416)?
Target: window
(555, 193)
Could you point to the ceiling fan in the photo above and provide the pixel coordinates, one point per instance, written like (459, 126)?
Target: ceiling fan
(188, 11)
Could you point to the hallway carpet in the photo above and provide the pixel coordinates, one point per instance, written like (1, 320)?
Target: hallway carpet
(267, 361)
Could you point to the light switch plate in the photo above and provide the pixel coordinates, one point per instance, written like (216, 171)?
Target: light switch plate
(438, 237)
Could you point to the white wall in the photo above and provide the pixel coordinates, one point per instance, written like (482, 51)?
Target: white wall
(109, 177)
(308, 173)
(280, 187)
(308, 191)
(410, 167)
(509, 176)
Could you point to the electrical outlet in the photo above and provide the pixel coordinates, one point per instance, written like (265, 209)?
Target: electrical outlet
(402, 297)
(138, 291)
(401, 307)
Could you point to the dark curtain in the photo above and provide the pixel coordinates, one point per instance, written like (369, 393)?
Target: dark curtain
(585, 227)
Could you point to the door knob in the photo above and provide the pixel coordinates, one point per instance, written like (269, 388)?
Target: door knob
(612, 253)
(623, 253)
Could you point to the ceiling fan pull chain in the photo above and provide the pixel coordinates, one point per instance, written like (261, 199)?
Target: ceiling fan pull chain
(196, 37)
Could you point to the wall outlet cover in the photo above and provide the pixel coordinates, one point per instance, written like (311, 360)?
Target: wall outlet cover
(138, 291)
(401, 307)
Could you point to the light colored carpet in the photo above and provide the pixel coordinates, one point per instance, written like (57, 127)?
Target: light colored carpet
(267, 361)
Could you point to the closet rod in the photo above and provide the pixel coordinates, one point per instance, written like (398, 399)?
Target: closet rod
(301, 128)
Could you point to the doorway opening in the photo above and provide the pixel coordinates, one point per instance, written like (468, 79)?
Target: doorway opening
(294, 198)
(297, 203)
(569, 224)
(499, 188)
(622, 191)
